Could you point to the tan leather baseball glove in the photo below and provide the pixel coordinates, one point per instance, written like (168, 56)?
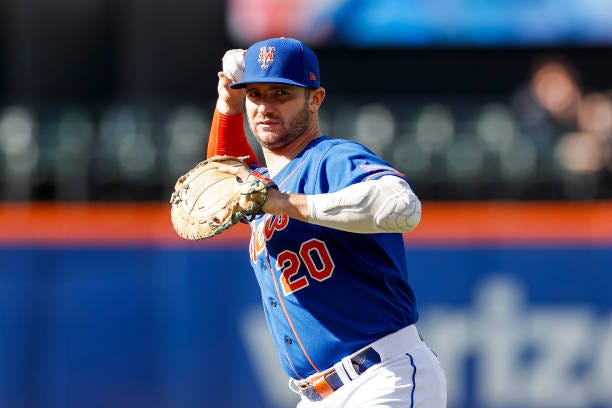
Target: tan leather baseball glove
(206, 201)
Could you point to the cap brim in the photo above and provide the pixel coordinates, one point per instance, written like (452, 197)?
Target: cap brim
(266, 80)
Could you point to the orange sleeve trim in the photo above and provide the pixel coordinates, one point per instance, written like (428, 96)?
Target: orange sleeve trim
(442, 223)
(227, 137)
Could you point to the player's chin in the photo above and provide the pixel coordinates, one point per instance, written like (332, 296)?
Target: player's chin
(271, 140)
(268, 135)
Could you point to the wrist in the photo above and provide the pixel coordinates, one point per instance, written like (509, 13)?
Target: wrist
(274, 201)
(227, 108)
(293, 205)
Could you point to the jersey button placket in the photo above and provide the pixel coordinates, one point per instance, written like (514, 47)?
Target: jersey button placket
(288, 340)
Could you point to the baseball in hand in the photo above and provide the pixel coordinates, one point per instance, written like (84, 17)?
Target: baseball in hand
(233, 65)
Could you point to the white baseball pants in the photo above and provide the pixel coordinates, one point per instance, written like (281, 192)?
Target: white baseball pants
(409, 376)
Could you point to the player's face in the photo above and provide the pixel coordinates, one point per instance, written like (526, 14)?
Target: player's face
(278, 114)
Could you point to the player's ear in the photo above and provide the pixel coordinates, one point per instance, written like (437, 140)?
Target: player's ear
(316, 98)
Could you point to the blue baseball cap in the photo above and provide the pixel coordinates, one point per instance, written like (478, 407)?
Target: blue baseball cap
(282, 61)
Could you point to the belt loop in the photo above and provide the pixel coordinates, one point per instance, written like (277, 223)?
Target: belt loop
(342, 374)
(293, 386)
(347, 364)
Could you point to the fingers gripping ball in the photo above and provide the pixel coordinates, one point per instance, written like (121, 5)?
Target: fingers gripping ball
(206, 201)
(233, 65)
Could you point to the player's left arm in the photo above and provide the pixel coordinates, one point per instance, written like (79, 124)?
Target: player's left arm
(386, 204)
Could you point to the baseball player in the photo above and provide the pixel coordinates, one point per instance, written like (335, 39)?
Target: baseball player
(328, 252)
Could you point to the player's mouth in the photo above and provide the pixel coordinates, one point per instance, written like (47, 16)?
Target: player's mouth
(267, 123)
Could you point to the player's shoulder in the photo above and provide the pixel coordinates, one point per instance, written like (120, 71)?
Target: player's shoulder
(326, 144)
(350, 155)
(328, 141)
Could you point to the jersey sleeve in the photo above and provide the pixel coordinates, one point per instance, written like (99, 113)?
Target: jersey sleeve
(227, 137)
(347, 163)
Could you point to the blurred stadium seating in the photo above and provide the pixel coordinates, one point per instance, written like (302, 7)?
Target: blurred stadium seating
(110, 102)
(450, 148)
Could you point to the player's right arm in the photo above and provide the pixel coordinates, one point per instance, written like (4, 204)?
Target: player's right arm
(382, 204)
(387, 204)
(227, 136)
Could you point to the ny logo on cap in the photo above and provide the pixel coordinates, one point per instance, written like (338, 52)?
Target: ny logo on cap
(266, 57)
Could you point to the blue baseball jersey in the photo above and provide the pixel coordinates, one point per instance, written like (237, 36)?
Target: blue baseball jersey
(327, 293)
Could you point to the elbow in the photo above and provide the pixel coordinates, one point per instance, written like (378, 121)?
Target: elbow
(413, 216)
(400, 215)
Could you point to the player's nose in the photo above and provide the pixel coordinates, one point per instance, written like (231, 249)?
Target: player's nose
(264, 108)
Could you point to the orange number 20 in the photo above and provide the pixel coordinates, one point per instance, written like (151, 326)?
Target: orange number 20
(314, 255)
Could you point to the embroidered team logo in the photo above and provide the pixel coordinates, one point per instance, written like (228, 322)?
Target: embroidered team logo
(266, 57)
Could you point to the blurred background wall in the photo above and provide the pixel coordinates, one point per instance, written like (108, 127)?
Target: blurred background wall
(473, 100)
(499, 113)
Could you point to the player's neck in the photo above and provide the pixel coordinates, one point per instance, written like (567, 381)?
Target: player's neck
(278, 158)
